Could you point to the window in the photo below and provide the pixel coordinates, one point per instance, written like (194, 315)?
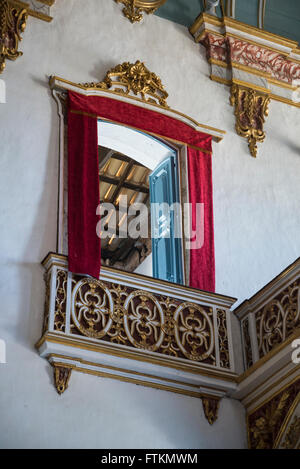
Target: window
(136, 168)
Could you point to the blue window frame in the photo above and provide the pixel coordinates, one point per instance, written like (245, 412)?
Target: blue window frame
(165, 222)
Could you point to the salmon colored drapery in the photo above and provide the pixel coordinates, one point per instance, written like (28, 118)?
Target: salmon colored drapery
(84, 248)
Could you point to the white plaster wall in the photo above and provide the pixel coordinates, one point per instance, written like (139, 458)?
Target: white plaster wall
(256, 226)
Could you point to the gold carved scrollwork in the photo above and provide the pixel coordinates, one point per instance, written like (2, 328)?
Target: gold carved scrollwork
(62, 376)
(144, 320)
(247, 343)
(194, 331)
(128, 78)
(60, 301)
(12, 24)
(211, 408)
(134, 9)
(251, 108)
(223, 339)
(278, 319)
(93, 306)
(140, 319)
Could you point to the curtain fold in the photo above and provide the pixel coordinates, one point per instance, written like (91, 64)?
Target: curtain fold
(84, 246)
(140, 118)
(202, 258)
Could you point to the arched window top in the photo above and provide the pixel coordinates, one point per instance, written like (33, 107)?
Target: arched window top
(137, 145)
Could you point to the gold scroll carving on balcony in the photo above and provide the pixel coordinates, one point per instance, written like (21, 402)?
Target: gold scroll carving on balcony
(251, 108)
(143, 320)
(278, 319)
(134, 9)
(133, 79)
(12, 24)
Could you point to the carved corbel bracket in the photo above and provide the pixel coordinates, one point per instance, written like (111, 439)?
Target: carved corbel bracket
(251, 108)
(256, 64)
(13, 19)
(62, 376)
(211, 408)
(12, 24)
(134, 9)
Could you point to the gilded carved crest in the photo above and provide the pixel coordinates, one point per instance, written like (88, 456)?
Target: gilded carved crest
(133, 79)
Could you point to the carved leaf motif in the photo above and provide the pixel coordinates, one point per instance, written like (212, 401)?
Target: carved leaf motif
(133, 79)
(12, 25)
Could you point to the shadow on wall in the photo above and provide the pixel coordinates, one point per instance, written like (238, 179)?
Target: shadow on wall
(43, 235)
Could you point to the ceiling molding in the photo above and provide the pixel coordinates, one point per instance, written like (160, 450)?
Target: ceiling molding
(266, 65)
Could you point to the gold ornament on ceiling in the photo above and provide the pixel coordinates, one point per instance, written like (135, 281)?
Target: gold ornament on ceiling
(134, 9)
(133, 79)
(12, 24)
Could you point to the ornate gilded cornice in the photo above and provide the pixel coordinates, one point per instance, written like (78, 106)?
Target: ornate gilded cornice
(133, 79)
(253, 59)
(134, 9)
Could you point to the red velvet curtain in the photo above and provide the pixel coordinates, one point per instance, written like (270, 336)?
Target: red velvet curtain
(83, 174)
(202, 259)
(84, 246)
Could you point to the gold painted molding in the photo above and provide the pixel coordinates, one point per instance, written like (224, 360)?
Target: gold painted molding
(134, 9)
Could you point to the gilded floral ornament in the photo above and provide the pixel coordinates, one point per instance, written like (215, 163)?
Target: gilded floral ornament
(251, 108)
(211, 408)
(134, 9)
(134, 79)
(12, 24)
(62, 376)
